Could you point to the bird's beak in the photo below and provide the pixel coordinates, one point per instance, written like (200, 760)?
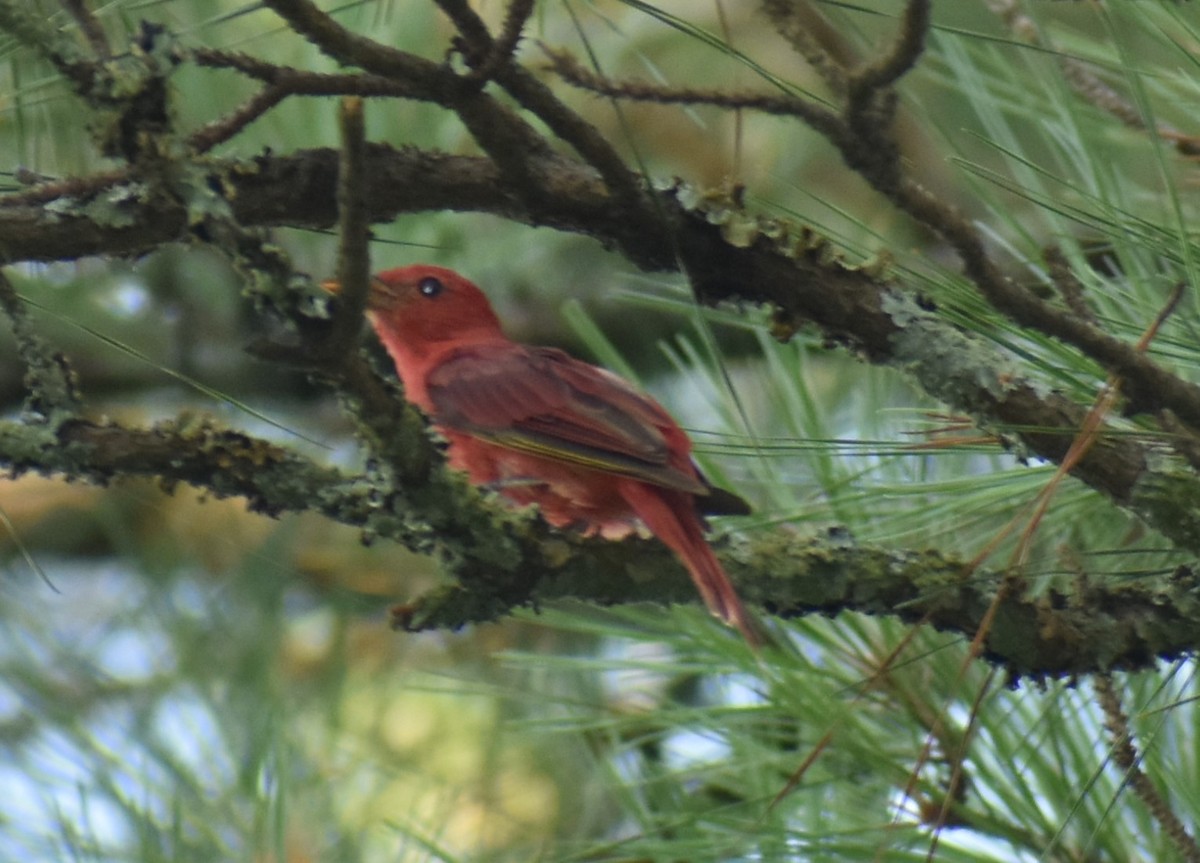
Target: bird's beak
(335, 287)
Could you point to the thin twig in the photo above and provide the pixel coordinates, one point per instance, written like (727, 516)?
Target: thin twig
(571, 71)
(70, 187)
(505, 46)
(1125, 755)
(794, 21)
(299, 82)
(956, 788)
(221, 130)
(354, 267)
(1088, 85)
(905, 51)
(535, 97)
(92, 29)
(247, 64)
(349, 48)
(1069, 286)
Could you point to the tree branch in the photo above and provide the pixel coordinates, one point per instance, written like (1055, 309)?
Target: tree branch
(503, 559)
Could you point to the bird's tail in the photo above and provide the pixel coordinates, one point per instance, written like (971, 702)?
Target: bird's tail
(671, 516)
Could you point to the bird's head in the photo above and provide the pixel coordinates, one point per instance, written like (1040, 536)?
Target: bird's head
(421, 305)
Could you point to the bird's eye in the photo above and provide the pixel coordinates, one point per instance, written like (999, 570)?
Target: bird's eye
(430, 287)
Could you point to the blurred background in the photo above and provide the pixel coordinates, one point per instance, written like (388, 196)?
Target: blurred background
(181, 679)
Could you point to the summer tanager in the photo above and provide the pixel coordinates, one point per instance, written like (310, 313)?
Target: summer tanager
(541, 427)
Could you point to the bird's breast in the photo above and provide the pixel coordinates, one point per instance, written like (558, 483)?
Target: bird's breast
(568, 495)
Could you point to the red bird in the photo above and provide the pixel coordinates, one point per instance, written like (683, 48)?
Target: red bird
(541, 427)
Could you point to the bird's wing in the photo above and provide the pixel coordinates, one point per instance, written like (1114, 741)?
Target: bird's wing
(544, 402)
